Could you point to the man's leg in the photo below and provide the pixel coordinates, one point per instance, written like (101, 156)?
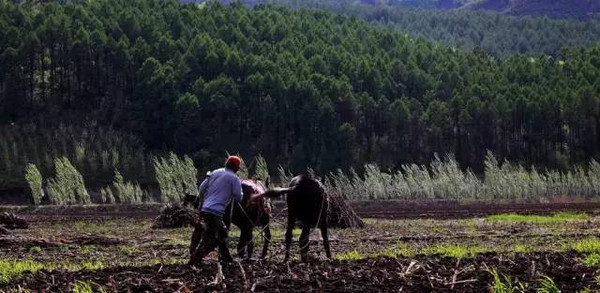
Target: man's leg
(209, 238)
(222, 236)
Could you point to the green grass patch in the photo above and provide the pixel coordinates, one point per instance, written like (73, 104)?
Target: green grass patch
(458, 251)
(90, 265)
(280, 233)
(547, 285)
(11, 268)
(589, 245)
(87, 249)
(504, 284)
(87, 287)
(401, 250)
(540, 219)
(34, 249)
(350, 255)
(128, 250)
(522, 248)
(591, 260)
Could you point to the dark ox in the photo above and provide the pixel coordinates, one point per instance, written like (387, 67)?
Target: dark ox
(253, 211)
(308, 203)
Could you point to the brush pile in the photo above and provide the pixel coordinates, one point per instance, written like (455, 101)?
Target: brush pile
(11, 221)
(341, 215)
(175, 216)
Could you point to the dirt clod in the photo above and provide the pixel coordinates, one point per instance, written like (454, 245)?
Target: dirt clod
(12, 242)
(4, 231)
(90, 239)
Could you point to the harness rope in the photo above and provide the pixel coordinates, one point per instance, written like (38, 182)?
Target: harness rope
(317, 223)
(261, 231)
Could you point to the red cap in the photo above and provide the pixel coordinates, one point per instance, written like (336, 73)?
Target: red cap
(233, 160)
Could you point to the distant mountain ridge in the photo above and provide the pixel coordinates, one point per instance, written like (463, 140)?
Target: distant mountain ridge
(556, 8)
(553, 8)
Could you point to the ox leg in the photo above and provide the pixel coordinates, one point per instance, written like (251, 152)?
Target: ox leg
(288, 236)
(267, 239)
(304, 243)
(325, 241)
(243, 247)
(250, 244)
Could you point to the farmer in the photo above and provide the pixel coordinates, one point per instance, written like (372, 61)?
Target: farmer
(219, 188)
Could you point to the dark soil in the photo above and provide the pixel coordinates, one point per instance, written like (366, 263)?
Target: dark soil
(80, 240)
(453, 210)
(418, 274)
(372, 209)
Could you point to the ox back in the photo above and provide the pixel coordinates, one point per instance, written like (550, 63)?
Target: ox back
(257, 214)
(307, 201)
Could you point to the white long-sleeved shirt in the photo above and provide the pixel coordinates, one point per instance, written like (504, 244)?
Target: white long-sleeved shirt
(219, 188)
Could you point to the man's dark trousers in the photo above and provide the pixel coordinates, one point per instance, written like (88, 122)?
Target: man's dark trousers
(211, 234)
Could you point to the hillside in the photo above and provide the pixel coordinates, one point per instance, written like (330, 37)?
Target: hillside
(109, 83)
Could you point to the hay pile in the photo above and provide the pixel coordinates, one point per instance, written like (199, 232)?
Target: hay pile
(175, 216)
(341, 215)
(11, 221)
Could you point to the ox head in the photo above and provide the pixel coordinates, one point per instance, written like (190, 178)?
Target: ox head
(191, 199)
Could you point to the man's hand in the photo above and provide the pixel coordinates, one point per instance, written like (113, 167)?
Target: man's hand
(253, 199)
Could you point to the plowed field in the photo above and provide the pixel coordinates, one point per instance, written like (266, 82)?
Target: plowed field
(123, 254)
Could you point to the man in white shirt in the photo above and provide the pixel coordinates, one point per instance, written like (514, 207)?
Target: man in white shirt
(219, 188)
